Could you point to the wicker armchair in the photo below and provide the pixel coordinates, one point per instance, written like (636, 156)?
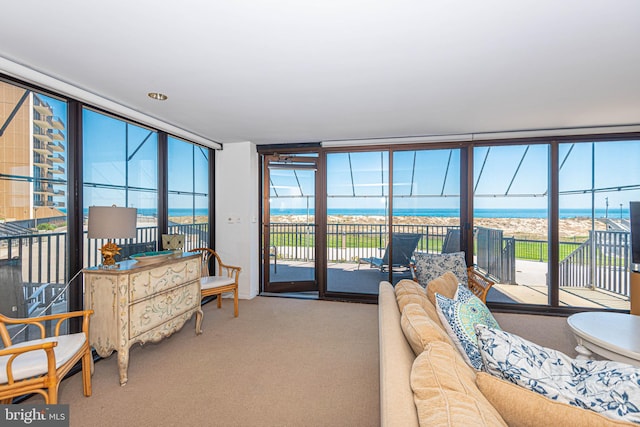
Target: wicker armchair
(225, 281)
(478, 284)
(38, 366)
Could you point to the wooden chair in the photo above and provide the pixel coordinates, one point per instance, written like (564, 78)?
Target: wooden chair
(225, 281)
(38, 366)
(478, 284)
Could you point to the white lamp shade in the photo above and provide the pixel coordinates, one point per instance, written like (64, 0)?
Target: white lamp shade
(111, 222)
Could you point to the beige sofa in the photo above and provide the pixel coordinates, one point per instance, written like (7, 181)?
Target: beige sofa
(447, 390)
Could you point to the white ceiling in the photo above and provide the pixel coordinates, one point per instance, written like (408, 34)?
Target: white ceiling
(304, 71)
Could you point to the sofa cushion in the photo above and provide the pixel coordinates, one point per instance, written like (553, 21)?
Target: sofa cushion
(446, 285)
(409, 294)
(408, 286)
(606, 387)
(459, 317)
(445, 393)
(431, 266)
(419, 329)
(521, 407)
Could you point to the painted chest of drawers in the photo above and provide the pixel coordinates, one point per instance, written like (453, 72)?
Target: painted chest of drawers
(140, 303)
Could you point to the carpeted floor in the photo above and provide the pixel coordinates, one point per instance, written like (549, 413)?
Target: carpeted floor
(282, 362)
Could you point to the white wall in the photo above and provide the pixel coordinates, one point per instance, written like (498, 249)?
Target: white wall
(237, 217)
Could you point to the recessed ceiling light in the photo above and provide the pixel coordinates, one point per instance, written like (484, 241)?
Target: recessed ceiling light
(157, 95)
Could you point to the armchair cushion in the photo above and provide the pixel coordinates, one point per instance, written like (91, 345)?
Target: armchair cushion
(211, 282)
(34, 362)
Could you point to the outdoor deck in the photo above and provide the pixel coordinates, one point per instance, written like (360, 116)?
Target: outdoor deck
(347, 277)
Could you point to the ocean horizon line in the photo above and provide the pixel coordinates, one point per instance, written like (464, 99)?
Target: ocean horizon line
(478, 213)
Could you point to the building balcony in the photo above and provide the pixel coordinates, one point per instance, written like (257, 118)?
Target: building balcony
(42, 137)
(43, 110)
(58, 136)
(41, 148)
(43, 124)
(57, 159)
(42, 165)
(57, 170)
(56, 146)
(57, 123)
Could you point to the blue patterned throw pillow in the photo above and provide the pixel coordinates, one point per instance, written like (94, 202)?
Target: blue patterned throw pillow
(432, 266)
(459, 316)
(609, 388)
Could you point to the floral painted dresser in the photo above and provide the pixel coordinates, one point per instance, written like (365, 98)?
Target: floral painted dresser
(140, 303)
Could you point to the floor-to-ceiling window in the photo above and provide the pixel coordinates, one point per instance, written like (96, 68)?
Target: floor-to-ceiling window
(188, 188)
(597, 180)
(33, 204)
(511, 220)
(550, 219)
(59, 156)
(426, 204)
(120, 164)
(357, 200)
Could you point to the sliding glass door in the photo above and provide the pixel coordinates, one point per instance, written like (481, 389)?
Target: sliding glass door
(289, 224)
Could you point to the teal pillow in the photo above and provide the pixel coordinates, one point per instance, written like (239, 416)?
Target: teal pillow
(459, 316)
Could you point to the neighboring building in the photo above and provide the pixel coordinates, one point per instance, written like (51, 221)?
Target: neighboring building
(32, 147)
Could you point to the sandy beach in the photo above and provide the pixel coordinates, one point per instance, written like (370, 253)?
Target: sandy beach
(189, 219)
(571, 229)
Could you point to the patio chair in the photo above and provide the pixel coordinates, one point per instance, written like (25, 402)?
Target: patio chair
(225, 281)
(12, 299)
(38, 366)
(19, 299)
(403, 246)
(451, 241)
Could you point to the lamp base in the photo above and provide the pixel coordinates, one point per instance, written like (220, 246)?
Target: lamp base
(109, 251)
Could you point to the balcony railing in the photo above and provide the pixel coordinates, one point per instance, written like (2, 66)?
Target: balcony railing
(42, 256)
(603, 261)
(608, 270)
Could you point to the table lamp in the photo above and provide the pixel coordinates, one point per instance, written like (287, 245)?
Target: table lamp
(111, 222)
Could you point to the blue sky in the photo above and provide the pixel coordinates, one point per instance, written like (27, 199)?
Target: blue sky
(105, 163)
(423, 179)
(517, 171)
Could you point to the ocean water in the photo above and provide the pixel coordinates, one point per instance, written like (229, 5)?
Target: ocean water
(478, 213)
(435, 212)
